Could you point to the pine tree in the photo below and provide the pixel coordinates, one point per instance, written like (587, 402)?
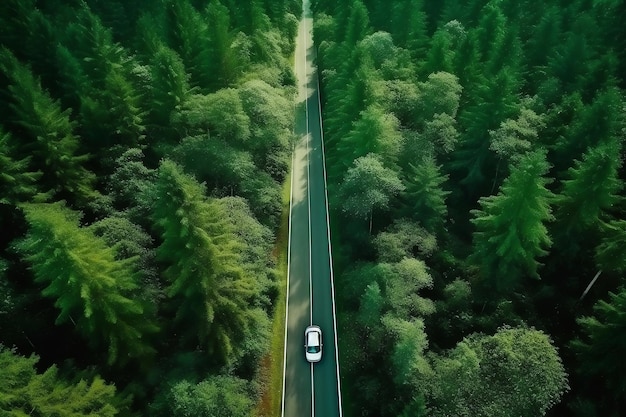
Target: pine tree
(209, 290)
(591, 189)
(50, 132)
(424, 197)
(611, 248)
(603, 341)
(24, 392)
(510, 227)
(93, 290)
(496, 101)
(375, 132)
(17, 183)
(110, 102)
(187, 34)
(169, 87)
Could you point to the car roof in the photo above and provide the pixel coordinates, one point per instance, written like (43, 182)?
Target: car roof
(314, 337)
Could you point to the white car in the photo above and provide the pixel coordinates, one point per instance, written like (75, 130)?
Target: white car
(313, 343)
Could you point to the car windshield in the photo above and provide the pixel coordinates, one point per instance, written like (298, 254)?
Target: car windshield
(313, 349)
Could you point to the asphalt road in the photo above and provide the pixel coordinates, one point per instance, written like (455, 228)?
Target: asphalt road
(309, 389)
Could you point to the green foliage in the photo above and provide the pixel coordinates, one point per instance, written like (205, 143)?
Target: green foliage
(17, 184)
(402, 239)
(209, 289)
(49, 132)
(517, 371)
(602, 341)
(424, 197)
(376, 132)
(510, 227)
(515, 137)
(25, 392)
(608, 252)
(590, 191)
(90, 287)
(218, 396)
(169, 86)
(368, 186)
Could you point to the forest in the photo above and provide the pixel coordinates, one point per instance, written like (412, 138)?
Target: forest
(143, 151)
(475, 159)
(476, 181)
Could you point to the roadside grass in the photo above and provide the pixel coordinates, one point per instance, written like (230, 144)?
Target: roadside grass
(272, 363)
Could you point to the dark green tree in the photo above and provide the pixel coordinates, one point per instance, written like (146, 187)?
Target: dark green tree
(17, 183)
(111, 110)
(589, 192)
(93, 290)
(599, 348)
(424, 199)
(49, 131)
(511, 228)
(169, 87)
(612, 243)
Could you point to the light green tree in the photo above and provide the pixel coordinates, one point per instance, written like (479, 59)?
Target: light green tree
(218, 396)
(17, 182)
(368, 186)
(210, 290)
(517, 371)
(24, 392)
(91, 288)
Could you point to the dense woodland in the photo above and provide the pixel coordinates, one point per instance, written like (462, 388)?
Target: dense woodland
(475, 159)
(143, 148)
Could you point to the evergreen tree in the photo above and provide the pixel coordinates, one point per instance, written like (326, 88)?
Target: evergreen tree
(24, 392)
(609, 251)
(510, 227)
(357, 25)
(496, 101)
(187, 34)
(50, 132)
(209, 290)
(110, 102)
(17, 184)
(93, 290)
(599, 349)
(591, 190)
(424, 198)
(375, 132)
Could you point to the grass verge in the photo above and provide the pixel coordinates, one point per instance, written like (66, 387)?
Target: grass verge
(272, 364)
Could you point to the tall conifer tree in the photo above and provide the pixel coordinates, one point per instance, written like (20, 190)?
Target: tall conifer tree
(510, 227)
(93, 290)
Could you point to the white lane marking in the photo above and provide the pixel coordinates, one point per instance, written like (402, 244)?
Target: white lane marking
(330, 251)
(312, 394)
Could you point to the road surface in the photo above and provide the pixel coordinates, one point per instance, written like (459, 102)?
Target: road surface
(309, 389)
